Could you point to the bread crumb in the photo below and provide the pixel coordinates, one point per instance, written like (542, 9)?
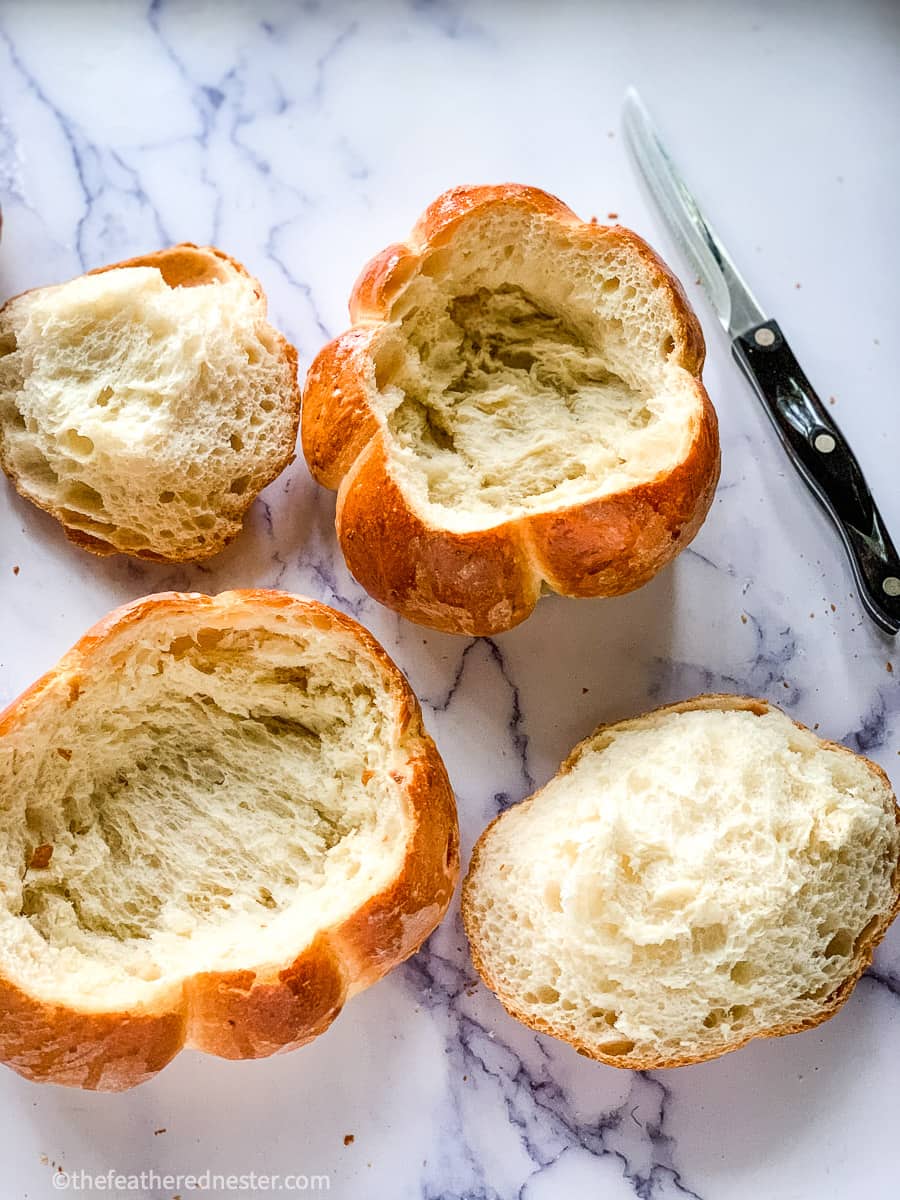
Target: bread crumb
(584, 691)
(64, 753)
(15, 570)
(834, 608)
(890, 668)
(40, 858)
(45, 1161)
(816, 726)
(832, 399)
(349, 1139)
(784, 683)
(157, 1132)
(796, 285)
(743, 618)
(612, 216)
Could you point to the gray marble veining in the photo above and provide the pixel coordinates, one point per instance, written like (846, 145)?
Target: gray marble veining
(302, 137)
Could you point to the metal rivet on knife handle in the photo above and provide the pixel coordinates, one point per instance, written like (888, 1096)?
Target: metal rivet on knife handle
(824, 443)
(764, 337)
(892, 585)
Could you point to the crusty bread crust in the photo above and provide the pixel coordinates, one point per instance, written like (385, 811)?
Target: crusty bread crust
(484, 582)
(266, 1008)
(637, 1062)
(187, 265)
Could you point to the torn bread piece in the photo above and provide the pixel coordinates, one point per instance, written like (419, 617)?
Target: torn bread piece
(145, 405)
(693, 878)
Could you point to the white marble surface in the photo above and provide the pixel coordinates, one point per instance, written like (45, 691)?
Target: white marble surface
(301, 138)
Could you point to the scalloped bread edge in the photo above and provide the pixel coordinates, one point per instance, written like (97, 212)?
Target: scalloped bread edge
(488, 580)
(255, 1012)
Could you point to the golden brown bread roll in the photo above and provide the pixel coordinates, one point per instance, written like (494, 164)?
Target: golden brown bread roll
(219, 819)
(517, 403)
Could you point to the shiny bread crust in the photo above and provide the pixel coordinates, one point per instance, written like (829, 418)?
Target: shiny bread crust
(489, 580)
(265, 1008)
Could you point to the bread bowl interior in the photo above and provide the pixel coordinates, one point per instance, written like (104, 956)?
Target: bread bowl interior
(199, 802)
(526, 366)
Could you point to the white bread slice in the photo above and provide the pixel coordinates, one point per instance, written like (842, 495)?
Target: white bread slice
(146, 404)
(696, 877)
(219, 818)
(521, 395)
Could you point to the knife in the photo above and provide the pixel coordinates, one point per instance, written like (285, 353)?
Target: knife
(813, 442)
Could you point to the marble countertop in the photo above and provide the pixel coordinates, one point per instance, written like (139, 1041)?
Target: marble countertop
(302, 137)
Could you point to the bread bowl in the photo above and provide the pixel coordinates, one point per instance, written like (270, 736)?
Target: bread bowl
(518, 403)
(691, 879)
(146, 404)
(219, 819)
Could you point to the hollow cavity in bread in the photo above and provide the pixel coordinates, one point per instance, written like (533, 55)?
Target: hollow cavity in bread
(518, 404)
(220, 795)
(522, 370)
(688, 881)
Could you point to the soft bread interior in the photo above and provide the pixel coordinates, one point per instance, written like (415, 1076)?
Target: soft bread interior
(695, 879)
(525, 367)
(141, 413)
(207, 799)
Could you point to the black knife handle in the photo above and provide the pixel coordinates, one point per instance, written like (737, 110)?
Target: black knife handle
(820, 453)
